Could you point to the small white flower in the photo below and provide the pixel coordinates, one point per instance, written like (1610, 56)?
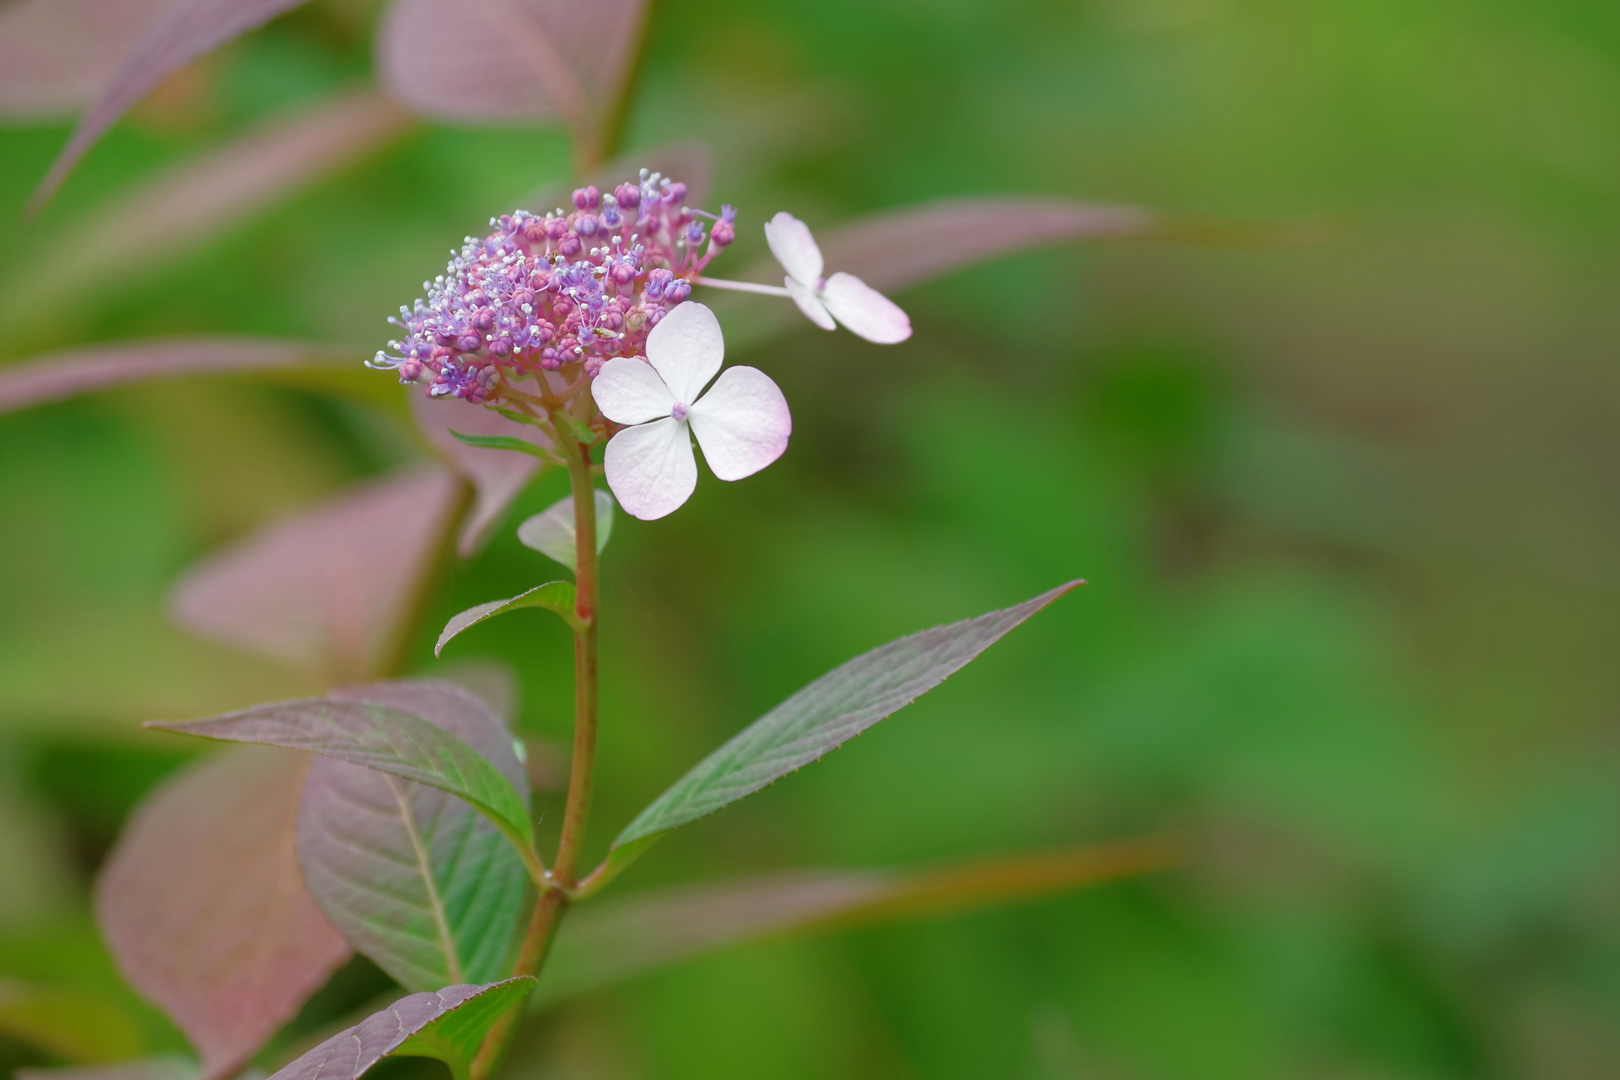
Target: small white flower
(742, 423)
(842, 297)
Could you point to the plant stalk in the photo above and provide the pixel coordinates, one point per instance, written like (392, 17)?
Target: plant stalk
(552, 902)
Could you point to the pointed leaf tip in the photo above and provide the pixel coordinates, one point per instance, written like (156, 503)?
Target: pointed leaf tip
(556, 596)
(823, 716)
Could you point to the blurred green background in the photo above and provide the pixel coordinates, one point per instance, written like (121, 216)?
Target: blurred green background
(1348, 511)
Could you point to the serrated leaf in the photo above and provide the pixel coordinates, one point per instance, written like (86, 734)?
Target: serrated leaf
(185, 31)
(497, 476)
(551, 532)
(80, 371)
(823, 716)
(71, 1024)
(412, 876)
(203, 906)
(501, 442)
(449, 1025)
(326, 591)
(602, 944)
(557, 596)
(386, 739)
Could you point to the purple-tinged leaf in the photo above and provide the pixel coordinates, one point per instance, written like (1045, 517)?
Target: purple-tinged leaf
(555, 596)
(898, 248)
(56, 54)
(387, 739)
(483, 60)
(412, 876)
(449, 1025)
(59, 375)
(604, 944)
(497, 476)
(204, 908)
(551, 531)
(185, 31)
(820, 718)
(185, 204)
(326, 591)
(166, 1067)
(493, 681)
(70, 1024)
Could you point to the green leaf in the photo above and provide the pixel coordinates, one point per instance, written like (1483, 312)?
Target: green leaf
(552, 532)
(386, 739)
(608, 943)
(582, 431)
(820, 718)
(557, 596)
(503, 442)
(410, 875)
(519, 418)
(449, 1025)
(75, 1026)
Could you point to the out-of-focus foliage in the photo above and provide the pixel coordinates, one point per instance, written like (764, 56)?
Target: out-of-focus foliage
(1347, 511)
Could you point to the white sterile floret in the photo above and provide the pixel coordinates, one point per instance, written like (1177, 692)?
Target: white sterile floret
(742, 423)
(842, 297)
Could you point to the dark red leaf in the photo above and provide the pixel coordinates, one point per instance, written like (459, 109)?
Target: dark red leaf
(205, 910)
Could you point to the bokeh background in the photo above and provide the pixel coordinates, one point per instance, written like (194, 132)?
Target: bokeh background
(1348, 509)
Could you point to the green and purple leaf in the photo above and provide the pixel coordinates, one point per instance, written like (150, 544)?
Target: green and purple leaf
(551, 532)
(607, 943)
(556, 596)
(186, 30)
(205, 910)
(413, 877)
(822, 717)
(386, 739)
(449, 1025)
(326, 591)
(103, 367)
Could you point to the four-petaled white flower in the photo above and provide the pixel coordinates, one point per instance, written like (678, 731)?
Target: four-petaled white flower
(742, 423)
(842, 297)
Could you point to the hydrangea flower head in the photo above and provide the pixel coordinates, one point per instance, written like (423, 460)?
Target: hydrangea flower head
(828, 301)
(742, 422)
(575, 287)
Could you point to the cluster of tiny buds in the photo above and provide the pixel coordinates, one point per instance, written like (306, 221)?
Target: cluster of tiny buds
(571, 288)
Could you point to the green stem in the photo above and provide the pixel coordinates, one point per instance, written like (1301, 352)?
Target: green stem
(552, 902)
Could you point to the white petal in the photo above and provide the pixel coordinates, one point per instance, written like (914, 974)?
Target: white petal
(794, 248)
(742, 423)
(651, 468)
(865, 310)
(686, 348)
(810, 304)
(628, 391)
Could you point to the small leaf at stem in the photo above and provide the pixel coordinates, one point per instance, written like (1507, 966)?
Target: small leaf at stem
(519, 418)
(582, 431)
(386, 739)
(502, 442)
(413, 877)
(557, 596)
(602, 945)
(820, 718)
(497, 476)
(448, 1025)
(551, 532)
(203, 906)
